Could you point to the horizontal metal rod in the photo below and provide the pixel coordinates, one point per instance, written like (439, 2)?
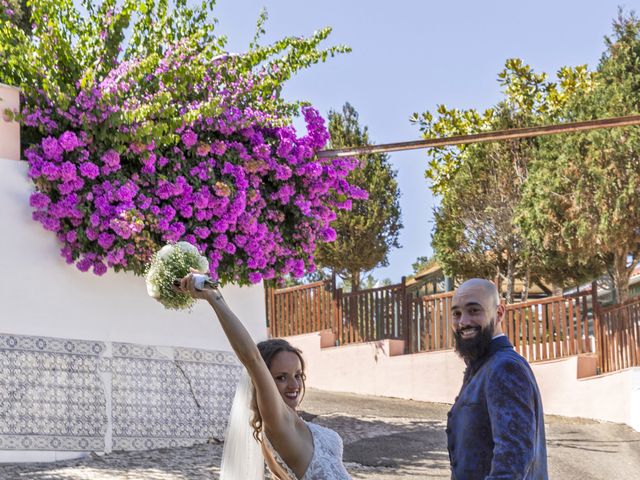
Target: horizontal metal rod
(484, 137)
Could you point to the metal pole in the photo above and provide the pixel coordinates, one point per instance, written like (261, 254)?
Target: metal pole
(510, 134)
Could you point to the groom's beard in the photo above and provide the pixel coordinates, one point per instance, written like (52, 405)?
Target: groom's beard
(473, 348)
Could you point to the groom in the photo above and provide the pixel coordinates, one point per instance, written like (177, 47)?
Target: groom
(495, 428)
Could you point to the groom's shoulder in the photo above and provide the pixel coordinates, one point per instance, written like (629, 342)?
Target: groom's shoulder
(507, 360)
(508, 366)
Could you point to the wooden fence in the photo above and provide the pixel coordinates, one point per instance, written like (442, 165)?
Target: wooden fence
(430, 323)
(372, 314)
(544, 329)
(301, 309)
(619, 345)
(551, 328)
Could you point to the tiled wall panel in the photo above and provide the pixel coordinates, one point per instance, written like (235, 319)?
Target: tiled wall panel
(76, 395)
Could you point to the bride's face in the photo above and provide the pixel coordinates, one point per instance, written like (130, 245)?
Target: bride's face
(287, 373)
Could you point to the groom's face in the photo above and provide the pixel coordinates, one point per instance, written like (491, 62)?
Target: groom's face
(476, 315)
(286, 370)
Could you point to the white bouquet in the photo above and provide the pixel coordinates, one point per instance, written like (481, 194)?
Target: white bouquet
(168, 266)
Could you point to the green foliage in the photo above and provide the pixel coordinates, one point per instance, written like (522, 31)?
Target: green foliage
(529, 97)
(564, 208)
(366, 283)
(147, 85)
(422, 263)
(68, 49)
(581, 202)
(476, 234)
(367, 232)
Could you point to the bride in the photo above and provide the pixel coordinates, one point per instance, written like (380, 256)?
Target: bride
(292, 448)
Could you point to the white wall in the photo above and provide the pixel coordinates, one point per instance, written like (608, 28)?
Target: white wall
(42, 295)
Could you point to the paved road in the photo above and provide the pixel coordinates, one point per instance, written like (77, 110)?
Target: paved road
(385, 439)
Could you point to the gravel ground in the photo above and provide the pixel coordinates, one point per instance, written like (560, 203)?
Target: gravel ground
(385, 438)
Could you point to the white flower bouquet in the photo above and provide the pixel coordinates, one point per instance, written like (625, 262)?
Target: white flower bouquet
(168, 266)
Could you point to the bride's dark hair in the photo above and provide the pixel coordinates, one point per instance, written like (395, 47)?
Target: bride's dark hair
(268, 350)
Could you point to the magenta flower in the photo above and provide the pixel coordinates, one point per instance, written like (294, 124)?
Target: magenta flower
(89, 170)
(69, 141)
(241, 185)
(189, 138)
(219, 148)
(52, 149)
(99, 268)
(68, 171)
(39, 200)
(111, 159)
(255, 277)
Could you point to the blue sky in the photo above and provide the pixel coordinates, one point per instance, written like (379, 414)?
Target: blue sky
(409, 56)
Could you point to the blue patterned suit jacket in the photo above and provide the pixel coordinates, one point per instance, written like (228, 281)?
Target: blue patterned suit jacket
(495, 429)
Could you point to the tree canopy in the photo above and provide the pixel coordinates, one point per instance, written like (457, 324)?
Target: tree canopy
(366, 233)
(564, 208)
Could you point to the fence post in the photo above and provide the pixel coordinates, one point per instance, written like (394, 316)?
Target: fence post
(338, 317)
(406, 322)
(267, 304)
(595, 309)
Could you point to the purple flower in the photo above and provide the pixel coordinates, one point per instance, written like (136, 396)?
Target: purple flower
(39, 200)
(283, 172)
(51, 171)
(68, 171)
(328, 234)
(202, 232)
(126, 192)
(111, 159)
(220, 241)
(66, 188)
(52, 149)
(219, 148)
(358, 193)
(69, 141)
(105, 240)
(89, 170)
(91, 234)
(189, 138)
(255, 277)
(99, 268)
(84, 264)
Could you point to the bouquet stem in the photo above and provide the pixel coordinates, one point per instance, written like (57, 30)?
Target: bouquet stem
(202, 282)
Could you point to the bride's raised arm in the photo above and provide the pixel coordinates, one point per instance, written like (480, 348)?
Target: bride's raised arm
(276, 415)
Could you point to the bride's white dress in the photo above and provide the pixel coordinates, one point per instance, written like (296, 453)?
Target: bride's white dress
(326, 463)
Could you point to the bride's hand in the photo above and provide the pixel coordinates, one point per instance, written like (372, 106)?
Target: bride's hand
(188, 285)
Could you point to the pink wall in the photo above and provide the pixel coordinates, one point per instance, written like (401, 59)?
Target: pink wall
(367, 368)
(608, 397)
(9, 130)
(377, 368)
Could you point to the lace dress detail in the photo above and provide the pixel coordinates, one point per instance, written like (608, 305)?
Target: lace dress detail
(326, 463)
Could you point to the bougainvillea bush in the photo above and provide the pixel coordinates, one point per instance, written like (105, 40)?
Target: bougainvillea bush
(175, 141)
